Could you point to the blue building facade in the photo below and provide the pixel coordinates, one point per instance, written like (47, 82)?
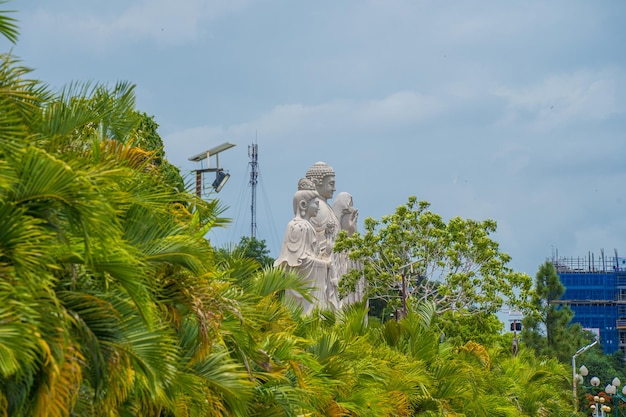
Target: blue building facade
(595, 290)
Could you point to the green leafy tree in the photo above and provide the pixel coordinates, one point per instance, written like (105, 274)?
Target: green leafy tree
(455, 265)
(254, 248)
(147, 137)
(549, 330)
(248, 248)
(482, 328)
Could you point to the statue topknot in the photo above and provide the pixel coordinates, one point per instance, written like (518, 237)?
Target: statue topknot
(319, 171)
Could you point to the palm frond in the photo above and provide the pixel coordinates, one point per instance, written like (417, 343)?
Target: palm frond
(8, 25)
(19, 345)
(84, 111)
(228, 381)
(271, 282)
(21, 99)
(22, 241)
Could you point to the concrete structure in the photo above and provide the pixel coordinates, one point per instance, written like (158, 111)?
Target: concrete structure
(596, 293)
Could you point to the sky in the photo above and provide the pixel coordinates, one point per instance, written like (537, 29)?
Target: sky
(507, 110)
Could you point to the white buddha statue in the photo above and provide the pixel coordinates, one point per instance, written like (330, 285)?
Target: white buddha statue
(326, 224)
(300, 251)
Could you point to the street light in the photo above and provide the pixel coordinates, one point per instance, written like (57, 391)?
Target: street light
(583, 371)
(575, 376)
(612, 391)
(599, 408)
(220, 176)
(220, 179)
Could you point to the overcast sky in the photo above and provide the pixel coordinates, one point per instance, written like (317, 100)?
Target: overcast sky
(507, 110)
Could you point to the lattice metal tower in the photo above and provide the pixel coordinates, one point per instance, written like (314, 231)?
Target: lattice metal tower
(253, 153)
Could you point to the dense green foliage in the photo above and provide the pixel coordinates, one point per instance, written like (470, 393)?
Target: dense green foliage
(146, 137)
(253, 248)
(456, 264)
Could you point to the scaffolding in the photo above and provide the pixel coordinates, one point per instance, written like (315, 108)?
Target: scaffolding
(590, 263)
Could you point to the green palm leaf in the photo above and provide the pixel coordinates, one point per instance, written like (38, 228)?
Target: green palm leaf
(8, 25)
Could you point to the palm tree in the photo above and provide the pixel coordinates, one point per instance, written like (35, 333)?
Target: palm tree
(536, 386)
(92, 240)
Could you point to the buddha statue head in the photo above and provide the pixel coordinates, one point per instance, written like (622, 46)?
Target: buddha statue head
(306, 184)
(323, 176)
(306, 199)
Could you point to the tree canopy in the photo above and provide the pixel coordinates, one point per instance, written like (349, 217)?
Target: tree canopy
(455, 264)
(253, 248)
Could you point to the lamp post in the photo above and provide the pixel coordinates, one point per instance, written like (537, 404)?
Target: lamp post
(612, 391)
(575, 376)
(599, 409)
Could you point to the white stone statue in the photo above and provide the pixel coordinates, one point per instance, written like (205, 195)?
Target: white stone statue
(300, 251)
(326, 225)
(344, 210)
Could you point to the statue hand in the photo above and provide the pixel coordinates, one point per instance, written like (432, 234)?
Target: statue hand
(353, 219)
(330, 229)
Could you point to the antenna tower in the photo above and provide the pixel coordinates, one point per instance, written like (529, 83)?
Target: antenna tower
(253, 153)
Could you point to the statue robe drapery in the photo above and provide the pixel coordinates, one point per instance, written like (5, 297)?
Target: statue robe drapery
(326, 227)
(300, 254)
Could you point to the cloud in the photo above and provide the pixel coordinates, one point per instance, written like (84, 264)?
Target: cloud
(334, 117)
(163, 22)
(562, 99)
(329, 120)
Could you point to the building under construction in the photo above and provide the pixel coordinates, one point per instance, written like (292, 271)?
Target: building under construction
(595, 290)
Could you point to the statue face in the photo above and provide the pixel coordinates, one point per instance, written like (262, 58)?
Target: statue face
(312, 208)
(327, 187)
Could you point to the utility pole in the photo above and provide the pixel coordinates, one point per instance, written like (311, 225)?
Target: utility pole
(253, 153)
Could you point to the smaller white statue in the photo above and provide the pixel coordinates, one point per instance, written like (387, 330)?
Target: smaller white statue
(300, 251)
(347, 215)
